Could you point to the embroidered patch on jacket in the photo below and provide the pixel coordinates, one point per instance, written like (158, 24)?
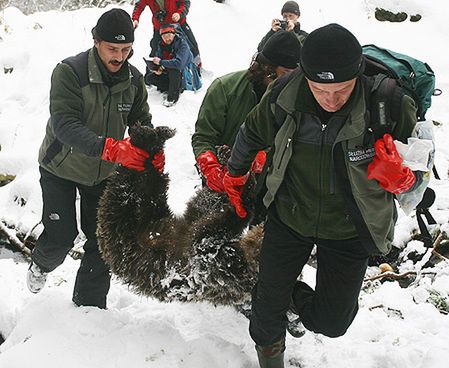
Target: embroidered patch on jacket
(124, 107)
(361, 154)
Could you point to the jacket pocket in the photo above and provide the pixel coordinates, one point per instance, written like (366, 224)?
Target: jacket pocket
(64, 157)
(52, 151)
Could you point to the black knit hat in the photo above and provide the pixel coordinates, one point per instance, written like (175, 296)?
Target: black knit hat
(331, 54)
(114, 26)
(291, 7)
(281, 49)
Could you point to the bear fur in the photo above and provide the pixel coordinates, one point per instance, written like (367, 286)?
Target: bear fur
(199, 256)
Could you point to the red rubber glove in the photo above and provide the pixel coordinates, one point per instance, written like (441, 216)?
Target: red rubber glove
(259, 162)
(124, 153)
(387, 167)
(158, 161)
(212, 171)
(233, 186)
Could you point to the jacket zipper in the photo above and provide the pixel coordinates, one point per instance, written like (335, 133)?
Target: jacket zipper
(332, 176)
(65, 156)
(108, 101)
(284, 151)
(323, 133)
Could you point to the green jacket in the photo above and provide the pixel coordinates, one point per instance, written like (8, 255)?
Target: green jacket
(318, 178)
(84, 111)
(225, 106)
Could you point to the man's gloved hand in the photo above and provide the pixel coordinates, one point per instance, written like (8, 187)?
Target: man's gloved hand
(233, 186)
(124, 153)
(212, 171)
(158, 161)
(259, 162)
(387, 167)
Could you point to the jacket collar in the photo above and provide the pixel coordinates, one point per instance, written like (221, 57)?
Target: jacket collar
(122, 81)
(296, 96)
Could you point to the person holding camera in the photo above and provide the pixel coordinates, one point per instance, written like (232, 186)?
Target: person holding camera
(165, 69)
(290, 22)
(167, 12)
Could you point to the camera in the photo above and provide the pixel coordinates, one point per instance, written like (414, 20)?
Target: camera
(283, 24)
(160, 15)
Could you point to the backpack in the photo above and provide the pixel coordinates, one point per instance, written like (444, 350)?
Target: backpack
(415, 77)
(191, 78)
(191, 75)
(391, 69)
(417, 80)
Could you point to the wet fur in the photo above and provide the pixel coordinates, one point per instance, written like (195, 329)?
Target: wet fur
(197, 257)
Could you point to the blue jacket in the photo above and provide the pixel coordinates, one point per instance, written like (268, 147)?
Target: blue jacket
(180, 52)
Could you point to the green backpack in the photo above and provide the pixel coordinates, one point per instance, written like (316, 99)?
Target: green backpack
(390, 69)
(415, 77)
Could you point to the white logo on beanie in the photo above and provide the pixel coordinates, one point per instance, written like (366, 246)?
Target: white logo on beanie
(120, 38)
(325, 75)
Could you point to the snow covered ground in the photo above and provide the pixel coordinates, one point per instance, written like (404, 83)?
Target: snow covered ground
(396, 327)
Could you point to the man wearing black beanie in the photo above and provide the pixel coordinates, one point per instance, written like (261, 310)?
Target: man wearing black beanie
(330, 186)
(94, 96)
(290, 22)
(229, 99)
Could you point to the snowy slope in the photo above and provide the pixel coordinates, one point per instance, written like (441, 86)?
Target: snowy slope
(395, 327)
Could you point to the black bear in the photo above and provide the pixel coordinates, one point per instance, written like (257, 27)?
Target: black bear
(200, 256)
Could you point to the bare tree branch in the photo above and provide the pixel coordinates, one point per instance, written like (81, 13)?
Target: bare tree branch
(13, 239)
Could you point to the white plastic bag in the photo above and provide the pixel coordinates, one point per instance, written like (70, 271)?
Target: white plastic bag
(415, 153)
(418, 154)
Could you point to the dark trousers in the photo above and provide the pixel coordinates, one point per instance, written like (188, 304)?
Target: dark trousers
(60, 230)
(190, 40)
(330, 308)
(169, 81)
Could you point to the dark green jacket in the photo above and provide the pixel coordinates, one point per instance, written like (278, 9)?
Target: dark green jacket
(84, 111)
(225, 106)
(318, 178)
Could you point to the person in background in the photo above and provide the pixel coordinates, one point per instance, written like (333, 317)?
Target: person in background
(167, 12)
(94, 96)
(172, 57)
(331, 185)
(231, 97)
(290, 13)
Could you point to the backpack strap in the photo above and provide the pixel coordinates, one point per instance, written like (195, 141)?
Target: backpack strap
(383, 96)
(422, 210)
(384, 99)
(79, 65)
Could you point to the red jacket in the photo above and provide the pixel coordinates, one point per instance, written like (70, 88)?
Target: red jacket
(170, 6)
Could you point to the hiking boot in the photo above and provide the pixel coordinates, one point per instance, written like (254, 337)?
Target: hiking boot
(271, 356)
(168, 103)
(294, 324)
(36, 278)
